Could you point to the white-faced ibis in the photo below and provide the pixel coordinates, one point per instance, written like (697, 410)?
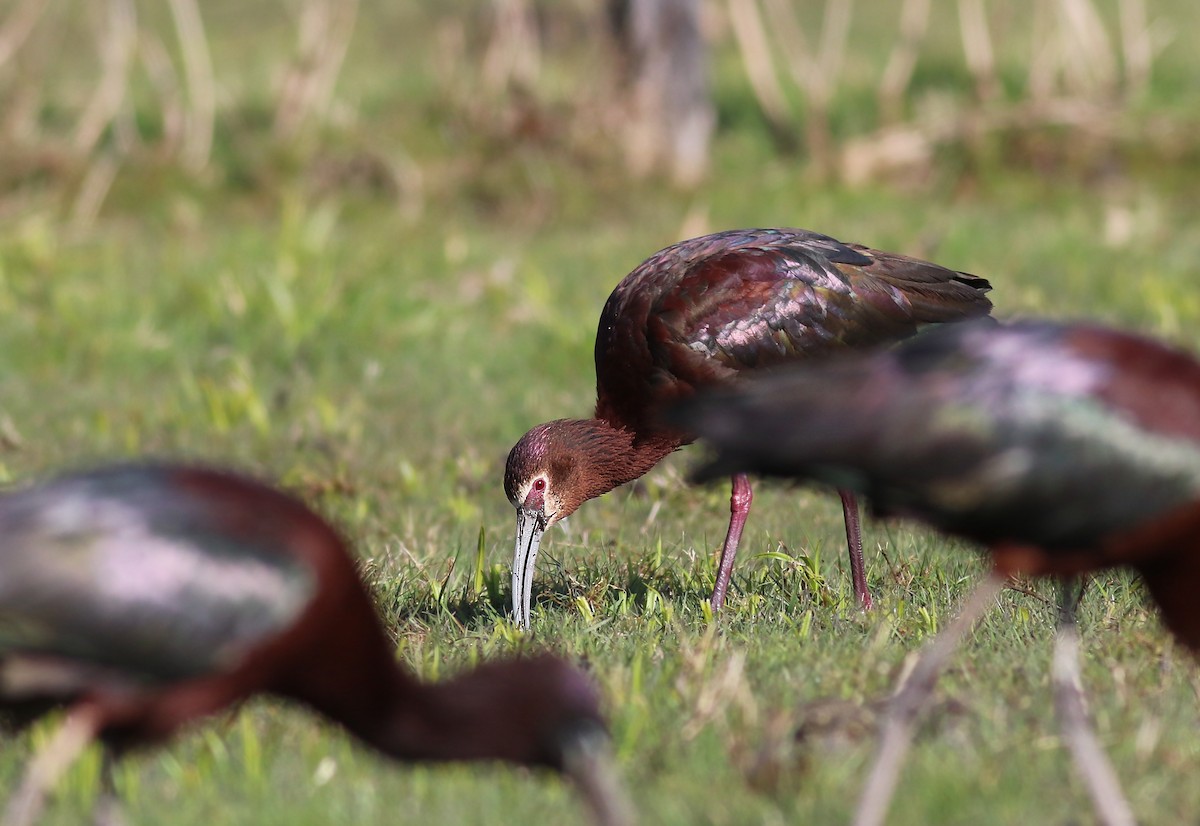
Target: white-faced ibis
(704, 311)
(143, 597)
(1064, 448)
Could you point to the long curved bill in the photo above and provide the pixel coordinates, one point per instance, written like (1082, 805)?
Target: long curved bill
(530, 527)
(588, 761)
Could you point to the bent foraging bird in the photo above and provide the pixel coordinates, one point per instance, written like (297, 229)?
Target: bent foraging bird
(708, 310)
(143, 597)
(1064, 448)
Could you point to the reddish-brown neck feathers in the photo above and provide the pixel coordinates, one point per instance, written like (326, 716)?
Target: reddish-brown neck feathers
(517, 710)
(581, 459)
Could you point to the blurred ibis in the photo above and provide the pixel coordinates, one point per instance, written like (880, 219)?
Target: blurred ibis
(708, 310)
(142, 597)
(1064, 448)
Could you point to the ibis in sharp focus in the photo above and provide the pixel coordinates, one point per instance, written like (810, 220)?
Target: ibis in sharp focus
(710, 310)
(142, 597)
(1064, 448)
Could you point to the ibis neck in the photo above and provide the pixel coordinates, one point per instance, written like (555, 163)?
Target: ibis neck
(613, 455)
(406, 719)
(446, 721)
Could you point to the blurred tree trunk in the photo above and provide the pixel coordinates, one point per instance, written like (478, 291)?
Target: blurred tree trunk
(665, 78)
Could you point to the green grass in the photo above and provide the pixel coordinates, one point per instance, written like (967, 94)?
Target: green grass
(381, 360)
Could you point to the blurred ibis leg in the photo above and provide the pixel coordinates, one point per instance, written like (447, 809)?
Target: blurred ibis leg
(910, 697)
(858, 571)
(740, 497)
(1112, 809)
(107, 809)
(589, 762)
(49, 763)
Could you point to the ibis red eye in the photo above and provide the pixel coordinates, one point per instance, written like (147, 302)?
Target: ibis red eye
(539, 484)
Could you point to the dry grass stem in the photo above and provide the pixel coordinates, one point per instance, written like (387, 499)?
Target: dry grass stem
(117, 43)
(513, 54)
(897, 74)
(17, 27)
(977, 49)
(325, 30)
(197, 68)
(751, 36)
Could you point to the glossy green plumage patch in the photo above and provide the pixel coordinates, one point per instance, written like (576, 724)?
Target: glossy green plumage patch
(88, 573)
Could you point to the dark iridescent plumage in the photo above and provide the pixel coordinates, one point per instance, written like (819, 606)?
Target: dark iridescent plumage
(145, 596)
(1062, 438)
(125, 574)
(707, 310)
(712, 307)
(1064, 448)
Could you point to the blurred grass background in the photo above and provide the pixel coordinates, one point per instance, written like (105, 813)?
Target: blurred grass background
(369, 251)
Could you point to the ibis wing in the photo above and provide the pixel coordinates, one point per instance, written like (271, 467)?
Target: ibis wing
(705, 309)
(798, 294)
(137, 580)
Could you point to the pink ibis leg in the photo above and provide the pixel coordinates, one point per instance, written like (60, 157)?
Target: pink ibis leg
(740, 497)
(858, 572)
(106, 811)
